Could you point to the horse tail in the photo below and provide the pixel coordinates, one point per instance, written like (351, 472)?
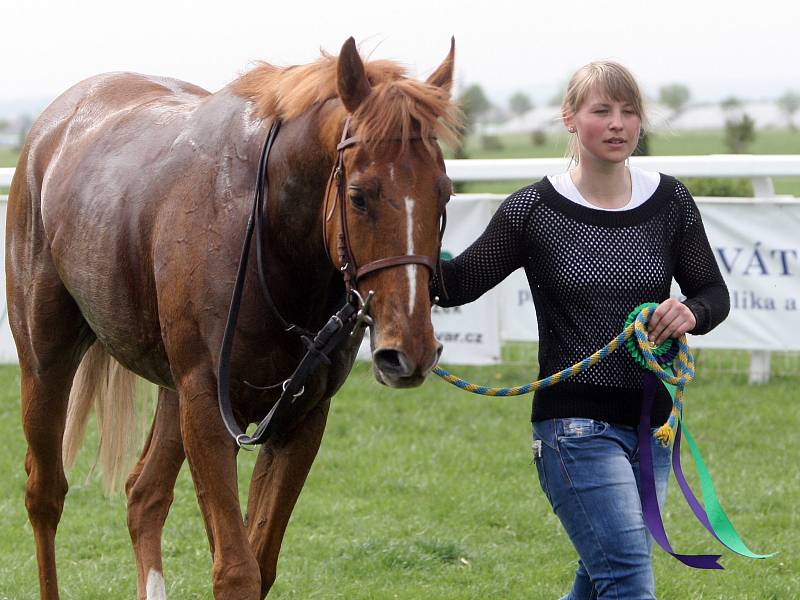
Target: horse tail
(102, 382)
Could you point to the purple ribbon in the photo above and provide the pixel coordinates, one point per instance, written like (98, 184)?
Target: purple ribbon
(649, 499)
(691, 499)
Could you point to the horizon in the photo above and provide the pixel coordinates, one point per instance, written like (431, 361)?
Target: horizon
(13, 108)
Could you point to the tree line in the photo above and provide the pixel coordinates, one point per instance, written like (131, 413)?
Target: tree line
(740, 129)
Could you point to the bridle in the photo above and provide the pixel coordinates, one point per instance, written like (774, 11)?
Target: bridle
(351, 272)
(292, 405)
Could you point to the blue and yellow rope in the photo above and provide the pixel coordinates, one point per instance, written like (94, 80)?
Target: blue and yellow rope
(680, 373)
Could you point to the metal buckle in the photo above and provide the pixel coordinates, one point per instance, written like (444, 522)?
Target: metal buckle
(241, 444)
(298, 394)
(362, 316)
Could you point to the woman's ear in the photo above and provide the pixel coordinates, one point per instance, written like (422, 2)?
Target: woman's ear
(568, 121)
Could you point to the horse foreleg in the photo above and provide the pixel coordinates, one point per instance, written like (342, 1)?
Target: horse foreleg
(278, 477)
(211, 453)
(150, 492)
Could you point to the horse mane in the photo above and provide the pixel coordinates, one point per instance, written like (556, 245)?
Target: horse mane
(397, 108)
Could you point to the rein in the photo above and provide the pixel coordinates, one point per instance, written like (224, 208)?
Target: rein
(338, 328)
(292, 404)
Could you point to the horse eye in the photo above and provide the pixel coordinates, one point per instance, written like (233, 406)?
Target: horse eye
(358, 200)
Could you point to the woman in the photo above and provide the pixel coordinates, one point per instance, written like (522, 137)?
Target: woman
(595, 242)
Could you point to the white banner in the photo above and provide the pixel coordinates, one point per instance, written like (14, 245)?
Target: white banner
(470, 333)
(757, 245)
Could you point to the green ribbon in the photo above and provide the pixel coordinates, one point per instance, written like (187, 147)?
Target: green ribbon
(718, 522)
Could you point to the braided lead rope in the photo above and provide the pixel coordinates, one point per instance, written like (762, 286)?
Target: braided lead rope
(637, 330)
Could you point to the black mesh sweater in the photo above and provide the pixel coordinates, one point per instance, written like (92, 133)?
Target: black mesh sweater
(587, 269)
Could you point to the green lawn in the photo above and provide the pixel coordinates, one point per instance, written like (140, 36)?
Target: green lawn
(8, 157)
(431, 494)
(665, 143)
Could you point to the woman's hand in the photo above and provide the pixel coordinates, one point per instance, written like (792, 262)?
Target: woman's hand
(671, 319)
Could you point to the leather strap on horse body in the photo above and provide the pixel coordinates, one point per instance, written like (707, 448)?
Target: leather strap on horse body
(261, 232)
(293, 404)
(223, 367)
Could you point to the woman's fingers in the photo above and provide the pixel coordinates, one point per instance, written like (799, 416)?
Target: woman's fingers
(671, 319)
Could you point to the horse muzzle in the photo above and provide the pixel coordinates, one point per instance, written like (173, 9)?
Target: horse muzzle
(395, 368)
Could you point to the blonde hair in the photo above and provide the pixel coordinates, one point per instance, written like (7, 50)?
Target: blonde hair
(609, 78)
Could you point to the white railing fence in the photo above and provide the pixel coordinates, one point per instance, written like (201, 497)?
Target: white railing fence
(760, 169)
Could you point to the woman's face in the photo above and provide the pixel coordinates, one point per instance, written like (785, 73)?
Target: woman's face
(607, 130)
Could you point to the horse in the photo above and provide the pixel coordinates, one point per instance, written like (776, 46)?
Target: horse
(125, 225)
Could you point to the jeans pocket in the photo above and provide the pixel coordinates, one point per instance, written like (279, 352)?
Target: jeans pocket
(573, 427)
(541, 471)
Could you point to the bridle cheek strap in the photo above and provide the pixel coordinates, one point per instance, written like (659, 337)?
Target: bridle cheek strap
(351, 272)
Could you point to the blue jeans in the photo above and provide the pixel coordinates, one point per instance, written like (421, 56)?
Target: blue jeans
(589, 471)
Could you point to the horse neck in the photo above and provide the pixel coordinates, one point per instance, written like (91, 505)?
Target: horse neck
(299, 167)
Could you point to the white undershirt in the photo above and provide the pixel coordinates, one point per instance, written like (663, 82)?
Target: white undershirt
(643, 184)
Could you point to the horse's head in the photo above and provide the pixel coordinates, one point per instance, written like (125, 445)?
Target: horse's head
(385, 207)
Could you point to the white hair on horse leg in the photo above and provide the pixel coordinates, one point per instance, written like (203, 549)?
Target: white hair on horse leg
(411, 270)
(155, 586)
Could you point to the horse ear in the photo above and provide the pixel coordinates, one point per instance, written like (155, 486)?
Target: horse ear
(443, 76)
(352, 82)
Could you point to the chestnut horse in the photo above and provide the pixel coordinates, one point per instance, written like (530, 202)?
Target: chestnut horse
(126, 219)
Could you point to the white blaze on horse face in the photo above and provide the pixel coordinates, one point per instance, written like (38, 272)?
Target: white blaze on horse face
(411, 270)
(155, 586)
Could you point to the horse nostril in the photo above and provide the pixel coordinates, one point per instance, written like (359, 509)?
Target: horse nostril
(437, 355)
(392, 362)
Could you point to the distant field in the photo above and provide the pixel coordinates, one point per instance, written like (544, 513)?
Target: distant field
(679, 143)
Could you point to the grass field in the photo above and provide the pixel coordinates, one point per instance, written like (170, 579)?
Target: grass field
(8, 157)
(431, 494)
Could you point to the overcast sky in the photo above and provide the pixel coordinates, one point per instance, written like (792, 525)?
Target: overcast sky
(717, 48)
